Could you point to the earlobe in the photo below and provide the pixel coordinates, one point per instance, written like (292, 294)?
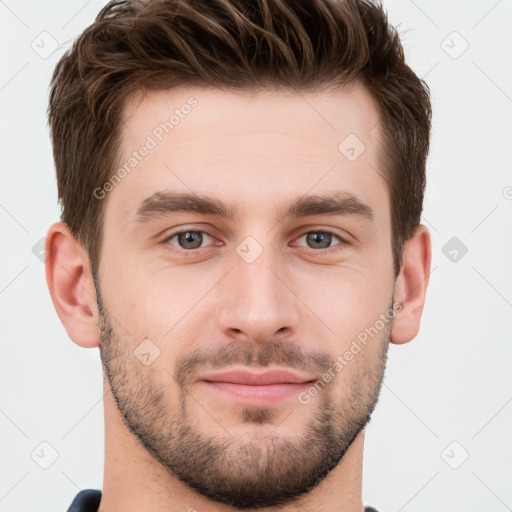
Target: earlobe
(71, 285)
(411, 286)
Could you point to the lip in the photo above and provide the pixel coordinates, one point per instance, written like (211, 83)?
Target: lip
(257, 379)
(256, 389)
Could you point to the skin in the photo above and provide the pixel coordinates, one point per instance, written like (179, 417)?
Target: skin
(258, 151)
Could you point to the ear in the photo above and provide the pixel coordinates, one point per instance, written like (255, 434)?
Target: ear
(71, 286)
(411, 286)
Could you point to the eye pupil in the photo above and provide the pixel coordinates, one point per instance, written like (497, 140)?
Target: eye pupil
(193, 237)
(318, 237)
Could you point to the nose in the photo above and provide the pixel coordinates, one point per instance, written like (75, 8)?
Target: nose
(258, 302)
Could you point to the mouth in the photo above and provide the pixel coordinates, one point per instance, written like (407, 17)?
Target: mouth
(256, 389)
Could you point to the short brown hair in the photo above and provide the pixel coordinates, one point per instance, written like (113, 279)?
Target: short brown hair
(143, 45)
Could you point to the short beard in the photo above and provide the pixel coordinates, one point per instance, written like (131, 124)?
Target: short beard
(253, 473)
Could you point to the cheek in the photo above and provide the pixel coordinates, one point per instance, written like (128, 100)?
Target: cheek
(345, 298)
(144, 297)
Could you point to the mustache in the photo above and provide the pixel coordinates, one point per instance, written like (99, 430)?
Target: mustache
(275, 352)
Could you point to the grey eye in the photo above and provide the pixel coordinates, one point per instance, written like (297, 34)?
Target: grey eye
(189, 239)
(319, 239)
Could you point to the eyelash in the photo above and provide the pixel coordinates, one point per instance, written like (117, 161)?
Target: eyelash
(327, 250)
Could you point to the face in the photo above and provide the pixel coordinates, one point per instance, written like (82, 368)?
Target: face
(246, 285)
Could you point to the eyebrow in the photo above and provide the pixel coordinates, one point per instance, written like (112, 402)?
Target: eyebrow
(338, 203)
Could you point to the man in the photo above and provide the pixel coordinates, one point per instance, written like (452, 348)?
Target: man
(242, 184)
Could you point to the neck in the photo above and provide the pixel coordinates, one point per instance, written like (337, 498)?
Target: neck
(134, 480)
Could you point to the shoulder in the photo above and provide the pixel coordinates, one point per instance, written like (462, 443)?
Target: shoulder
(87, 500)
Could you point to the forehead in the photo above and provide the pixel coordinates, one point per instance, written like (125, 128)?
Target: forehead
(255, 148)
(199, 115)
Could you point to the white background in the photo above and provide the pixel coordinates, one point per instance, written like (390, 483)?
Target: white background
(452, 383)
